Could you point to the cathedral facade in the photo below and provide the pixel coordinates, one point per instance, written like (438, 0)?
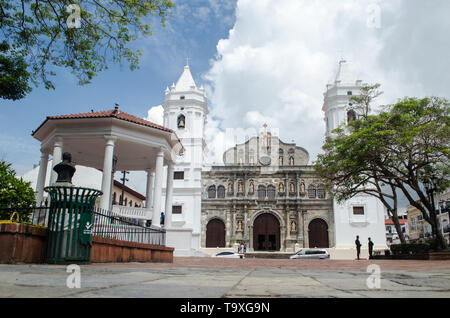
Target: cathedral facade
(267, 197)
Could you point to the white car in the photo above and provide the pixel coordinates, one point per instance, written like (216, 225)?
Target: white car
(230, 255)
(311, 253)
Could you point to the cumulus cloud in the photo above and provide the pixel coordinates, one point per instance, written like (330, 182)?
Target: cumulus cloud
(274, 66)
(156, 115)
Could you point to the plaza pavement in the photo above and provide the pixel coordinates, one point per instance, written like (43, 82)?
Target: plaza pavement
(216, 277)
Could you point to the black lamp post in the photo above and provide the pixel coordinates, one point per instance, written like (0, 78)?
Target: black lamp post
(431, 187)
(123, 179)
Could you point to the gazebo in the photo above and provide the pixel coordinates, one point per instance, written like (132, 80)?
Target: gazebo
(112, 141)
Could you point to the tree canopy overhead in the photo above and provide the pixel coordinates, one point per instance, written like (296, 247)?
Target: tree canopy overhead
(82, 35)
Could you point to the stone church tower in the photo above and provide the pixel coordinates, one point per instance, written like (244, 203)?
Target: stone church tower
(362, 215)
(185, 111)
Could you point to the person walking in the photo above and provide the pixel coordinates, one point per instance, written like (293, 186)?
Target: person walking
(358, 246)
(370, 249)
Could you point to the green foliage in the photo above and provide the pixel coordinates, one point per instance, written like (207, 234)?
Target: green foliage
(362, 103)
(14, 192)
(13, 74)
(410, 248)
(397, 148)
(40, 35)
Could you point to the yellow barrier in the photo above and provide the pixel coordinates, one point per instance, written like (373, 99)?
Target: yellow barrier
(18, 220)
(11, 219)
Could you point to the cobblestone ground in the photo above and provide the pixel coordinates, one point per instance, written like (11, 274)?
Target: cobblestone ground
(216, 277)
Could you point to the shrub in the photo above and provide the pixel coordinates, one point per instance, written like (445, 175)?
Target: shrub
(410, 248)
(15, 193)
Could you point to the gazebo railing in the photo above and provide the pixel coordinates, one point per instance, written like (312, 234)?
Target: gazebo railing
(132, 212)
(107, 225)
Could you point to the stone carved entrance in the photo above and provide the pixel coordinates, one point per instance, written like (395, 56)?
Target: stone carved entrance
(215, 233)
(266, 233)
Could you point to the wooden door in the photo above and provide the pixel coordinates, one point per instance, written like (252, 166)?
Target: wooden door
(266, 233)
(318, 233)
(215, 233)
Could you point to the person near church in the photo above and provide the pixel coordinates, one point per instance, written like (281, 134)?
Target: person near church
(161, 221)
(245, 247)
(358, 246)
(370, 249)
(242, 247)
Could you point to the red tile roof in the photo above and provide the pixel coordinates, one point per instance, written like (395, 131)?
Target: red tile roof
(129, 190)
(390, 222)
(116, 113)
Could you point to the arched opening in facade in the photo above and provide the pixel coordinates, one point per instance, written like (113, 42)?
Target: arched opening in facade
(215, 233)
(266, 233)
(212, 192)
(318, 234)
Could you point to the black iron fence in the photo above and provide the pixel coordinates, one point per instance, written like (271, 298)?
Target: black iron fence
(111, 226)
(30, 215)
(105, 224)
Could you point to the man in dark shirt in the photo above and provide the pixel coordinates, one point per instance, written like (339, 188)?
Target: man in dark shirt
(358, 246)
(370, 249)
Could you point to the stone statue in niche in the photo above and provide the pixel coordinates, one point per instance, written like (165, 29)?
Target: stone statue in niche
(230, 187)
(291, 187)
(240, 188)
(302, 187)
(281, 187)
(251, 188)
(239, 225)
(293, 226)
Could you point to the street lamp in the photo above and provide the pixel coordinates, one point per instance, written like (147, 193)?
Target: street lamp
(430, 185)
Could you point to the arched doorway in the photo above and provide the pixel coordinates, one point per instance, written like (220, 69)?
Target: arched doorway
(318, 233)
(266, 233)
(215, 233)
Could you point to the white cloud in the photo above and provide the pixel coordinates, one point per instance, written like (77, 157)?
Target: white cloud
(156, 115)
(274, 66)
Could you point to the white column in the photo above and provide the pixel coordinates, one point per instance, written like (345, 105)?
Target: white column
(41, 177)
(158, 188)
(57, 158)
(169, 196)
(107, 173)
(149, 190)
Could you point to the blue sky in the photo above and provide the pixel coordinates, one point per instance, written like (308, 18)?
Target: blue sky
(261, 61)
(194, 28)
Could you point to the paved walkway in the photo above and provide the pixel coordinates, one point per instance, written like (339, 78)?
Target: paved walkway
(214, 278)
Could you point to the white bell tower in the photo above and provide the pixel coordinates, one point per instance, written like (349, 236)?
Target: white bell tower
(185, 111)
(337, 97)
(362, 215)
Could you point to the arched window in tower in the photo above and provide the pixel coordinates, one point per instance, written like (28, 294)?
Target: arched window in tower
(181, 121)
(271, 192)
(311, 192)
(221, 192)
(261, 192)
(212, 192)
(351, 115)
(321, 191)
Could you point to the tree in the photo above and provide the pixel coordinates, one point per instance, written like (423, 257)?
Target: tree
(362, 103)
(82, 35)
(396, 148)
(14, 192)
(13, 74)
